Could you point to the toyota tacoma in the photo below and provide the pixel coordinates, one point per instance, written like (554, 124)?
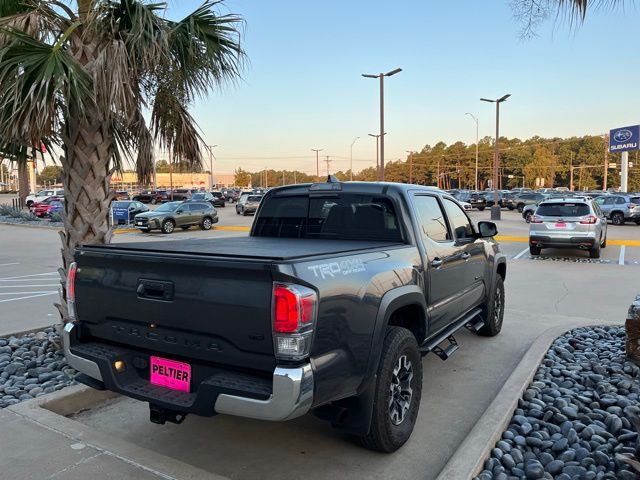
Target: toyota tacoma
(327, 306)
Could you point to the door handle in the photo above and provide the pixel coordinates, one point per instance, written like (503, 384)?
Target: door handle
(466, 256)
(436, 262)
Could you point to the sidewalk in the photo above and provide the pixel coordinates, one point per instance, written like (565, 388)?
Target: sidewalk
(40, 444)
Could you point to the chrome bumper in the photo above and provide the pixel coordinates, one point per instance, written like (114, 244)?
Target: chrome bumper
(291, 397)
(80, 364)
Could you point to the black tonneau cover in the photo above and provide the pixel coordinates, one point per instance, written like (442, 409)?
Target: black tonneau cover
(262, 248)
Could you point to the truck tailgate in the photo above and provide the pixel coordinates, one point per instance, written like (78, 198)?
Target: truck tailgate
(216, 311)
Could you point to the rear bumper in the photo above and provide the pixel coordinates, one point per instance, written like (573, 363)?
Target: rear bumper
(289, 393)
(562, 242)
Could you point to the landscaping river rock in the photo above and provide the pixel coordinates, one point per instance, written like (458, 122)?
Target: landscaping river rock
(576, 415)
(31, 366)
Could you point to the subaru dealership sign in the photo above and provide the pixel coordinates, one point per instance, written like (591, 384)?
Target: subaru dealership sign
(624, 139)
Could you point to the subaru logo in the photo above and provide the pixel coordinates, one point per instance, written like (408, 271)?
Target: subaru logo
(622, 135)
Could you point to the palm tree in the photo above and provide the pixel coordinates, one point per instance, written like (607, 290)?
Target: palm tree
(533, 12)
(84, 79)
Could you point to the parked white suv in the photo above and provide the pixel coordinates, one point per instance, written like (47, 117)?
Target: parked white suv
(43, 195)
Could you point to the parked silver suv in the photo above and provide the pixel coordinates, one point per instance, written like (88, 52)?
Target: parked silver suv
(620, 208)
(568, 223)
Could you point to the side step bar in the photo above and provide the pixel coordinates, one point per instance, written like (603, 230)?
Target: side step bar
(471, 321)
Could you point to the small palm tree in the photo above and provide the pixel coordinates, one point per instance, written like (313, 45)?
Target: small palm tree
(84, 79)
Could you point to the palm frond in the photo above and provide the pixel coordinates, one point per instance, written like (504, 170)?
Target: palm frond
(175, 129)
(34, 75)
(205, 49)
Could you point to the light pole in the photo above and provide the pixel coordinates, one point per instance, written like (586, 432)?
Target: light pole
(317, 150)
(351, 158)
(210, 148)
(377, 137)
(495, 208)
(475, 120)
(381, 77)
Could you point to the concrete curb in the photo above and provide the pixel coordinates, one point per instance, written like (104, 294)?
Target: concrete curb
(29, 225)
(51, 411)
(468, 459)
(22, 333)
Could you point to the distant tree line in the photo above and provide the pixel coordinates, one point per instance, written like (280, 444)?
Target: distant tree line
(541, 161)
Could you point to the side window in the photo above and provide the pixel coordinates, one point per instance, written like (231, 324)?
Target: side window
(431, 218)
(458, 220)
(599, 200)
(195, 207)
(609, 201)
(620, 200)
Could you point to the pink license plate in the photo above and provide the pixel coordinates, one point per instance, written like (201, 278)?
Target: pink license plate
(561, 225)
(170, 374)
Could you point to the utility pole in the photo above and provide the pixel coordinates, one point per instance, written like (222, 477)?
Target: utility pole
(438, 177)
(210, 148)
(606, 162)
(571, 172)
(282, 177)
(171, 173)
(351, 159)
(410, 152)
(328, 162)
(317, 150)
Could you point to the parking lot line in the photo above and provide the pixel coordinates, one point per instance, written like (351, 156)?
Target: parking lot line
(24, 293)
(621, 258)
(521, 253)
(25, 298)
(8, 264)
(33, 275)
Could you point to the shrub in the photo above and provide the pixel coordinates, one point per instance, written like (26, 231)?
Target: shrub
(56, 217)
(5, 210)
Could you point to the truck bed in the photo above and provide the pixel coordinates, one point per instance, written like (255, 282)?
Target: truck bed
(259, 248)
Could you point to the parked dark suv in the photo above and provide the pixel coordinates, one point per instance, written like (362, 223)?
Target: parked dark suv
(218, 199)
(151, 196)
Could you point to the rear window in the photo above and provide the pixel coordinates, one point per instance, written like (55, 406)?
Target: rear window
(254, 198)
(572, 209)
(635, 200)
(343, 217)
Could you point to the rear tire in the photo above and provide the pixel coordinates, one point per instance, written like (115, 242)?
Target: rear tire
(638, 222)
(480, 209)
(535, 250)
(604, 243)
(398, 390)
(168, 226)
(594, 252)
(617, 218)
(153, 201)
(521, 207)
(527, 217)
(493, 310)
(206, 223)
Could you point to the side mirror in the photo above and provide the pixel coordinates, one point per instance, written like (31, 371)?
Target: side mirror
(179, 211)
(487, 229)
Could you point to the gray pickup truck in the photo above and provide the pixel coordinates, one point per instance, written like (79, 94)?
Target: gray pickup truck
(327, 306)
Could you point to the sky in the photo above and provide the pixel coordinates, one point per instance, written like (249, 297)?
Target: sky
(302, 86)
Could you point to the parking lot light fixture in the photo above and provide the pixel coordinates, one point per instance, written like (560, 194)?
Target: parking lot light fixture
(495, 208)
(381, 76)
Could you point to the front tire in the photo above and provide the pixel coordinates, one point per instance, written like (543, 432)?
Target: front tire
(168, 226)
(153, 201)
(493, 310)
(397, 392)
(521, 207)
(480, 209)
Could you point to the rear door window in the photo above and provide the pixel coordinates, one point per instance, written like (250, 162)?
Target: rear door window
(431, 218)
(567, 209)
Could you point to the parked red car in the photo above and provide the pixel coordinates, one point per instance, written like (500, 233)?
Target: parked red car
(47, 207)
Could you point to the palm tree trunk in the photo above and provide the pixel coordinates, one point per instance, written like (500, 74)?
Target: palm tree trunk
(86, 178)
(23, 180)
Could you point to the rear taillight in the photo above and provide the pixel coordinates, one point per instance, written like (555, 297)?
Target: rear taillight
(535, 219)
(294, 316)
(590, 220)
(632, 205)
(71, 290)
